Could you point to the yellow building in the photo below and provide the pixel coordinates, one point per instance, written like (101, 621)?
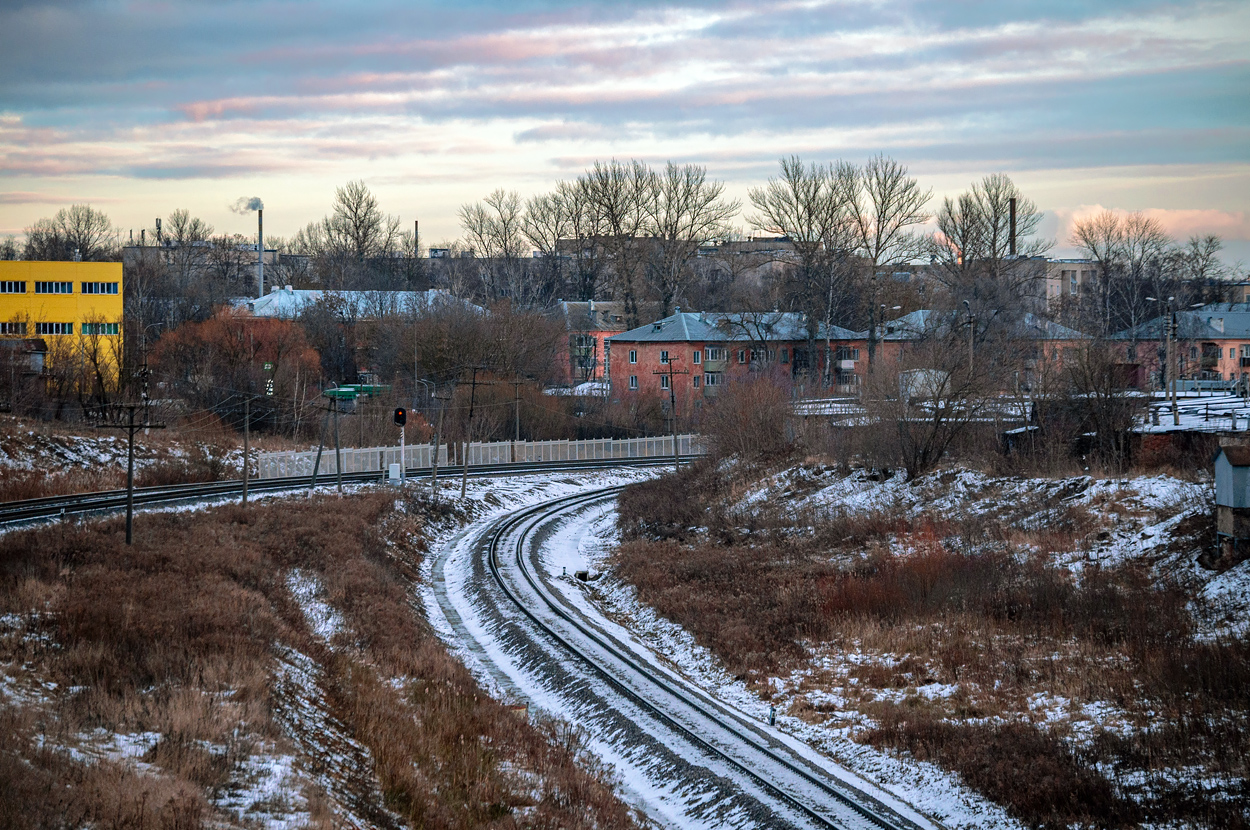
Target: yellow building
(75, 308)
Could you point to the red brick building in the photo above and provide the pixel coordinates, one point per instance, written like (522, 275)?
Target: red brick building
(698, 353)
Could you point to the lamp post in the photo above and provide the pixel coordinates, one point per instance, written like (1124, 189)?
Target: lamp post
(972, 327)
(1169, 370)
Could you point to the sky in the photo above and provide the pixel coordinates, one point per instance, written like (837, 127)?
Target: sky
(140, 108)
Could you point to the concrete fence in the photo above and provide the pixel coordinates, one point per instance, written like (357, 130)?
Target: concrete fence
(378, 459)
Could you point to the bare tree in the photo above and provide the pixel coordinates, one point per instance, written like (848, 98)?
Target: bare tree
(972, 252)
(586, 230)
(546, 223)
(684, 211)
(811, 205)
(1135, 260)
(616, 193)
(885, 204)
(77, 231)
(493, 229)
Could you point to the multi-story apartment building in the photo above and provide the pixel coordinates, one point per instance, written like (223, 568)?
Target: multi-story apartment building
(75, 308)
(695, 354)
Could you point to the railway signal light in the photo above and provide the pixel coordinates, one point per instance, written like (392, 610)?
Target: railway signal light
(401, 416)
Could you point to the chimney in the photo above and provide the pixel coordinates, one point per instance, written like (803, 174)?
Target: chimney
(289, 289)
(159, 242)
(1011, 239)
(260, 252)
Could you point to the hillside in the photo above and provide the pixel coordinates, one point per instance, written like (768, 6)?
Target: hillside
(1052, 652)
(267, 667)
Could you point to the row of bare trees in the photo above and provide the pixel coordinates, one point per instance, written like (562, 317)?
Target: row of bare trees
(1139, 264)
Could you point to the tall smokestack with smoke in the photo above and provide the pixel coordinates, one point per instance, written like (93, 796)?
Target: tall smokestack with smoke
(260, 253)
(1011, 239)
(245, 204)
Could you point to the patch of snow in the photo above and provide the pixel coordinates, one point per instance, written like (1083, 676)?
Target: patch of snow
(309, 593)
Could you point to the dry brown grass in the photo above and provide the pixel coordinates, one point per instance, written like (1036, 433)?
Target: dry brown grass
(976, 603)
(179, 635)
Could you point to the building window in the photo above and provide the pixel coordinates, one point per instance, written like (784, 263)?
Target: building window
(715, 353)
(698, 357)
(785, 355)
(99, 288)
(664, 356)
(99, 328)
(1130, 352)
(1193, 352)
(12, 328)
(54, 328)
(697, 379)
(12, 287)
(663, 381)
(1245, 350)
(1232, 351)
(742, 355)
(54, 288)
(846, 353)
(633, 381)
(711, 378)
(633, 355)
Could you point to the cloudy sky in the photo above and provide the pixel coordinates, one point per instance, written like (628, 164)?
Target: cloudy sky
(143, 107)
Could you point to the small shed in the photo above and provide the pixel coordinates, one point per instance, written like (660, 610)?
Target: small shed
(1232, 496)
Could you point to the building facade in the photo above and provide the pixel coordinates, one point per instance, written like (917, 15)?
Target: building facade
(688, 357)
(75, 308)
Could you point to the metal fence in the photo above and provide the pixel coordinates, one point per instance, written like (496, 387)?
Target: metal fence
(378, 459)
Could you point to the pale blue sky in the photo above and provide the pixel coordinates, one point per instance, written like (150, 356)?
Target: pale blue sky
(143, 107)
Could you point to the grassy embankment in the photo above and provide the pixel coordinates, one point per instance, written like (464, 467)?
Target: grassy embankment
(981, 604)
(228, 642)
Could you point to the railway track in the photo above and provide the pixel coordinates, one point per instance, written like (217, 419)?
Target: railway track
(737, 741)
(53, 507)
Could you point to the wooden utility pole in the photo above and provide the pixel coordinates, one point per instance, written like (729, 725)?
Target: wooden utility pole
(438, 430)
(321, 443)
(516, 437)
(672, 404)
(247, 444)
(338, 455)
(468, 433)
(131, 427)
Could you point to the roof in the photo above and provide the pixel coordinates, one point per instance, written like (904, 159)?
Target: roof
(1238, 456)
(1205, 323)
(288, 303)
(739, 326)
(594, 315)
(926, 321)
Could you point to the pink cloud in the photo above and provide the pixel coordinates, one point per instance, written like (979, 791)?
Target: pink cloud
(1179, 223)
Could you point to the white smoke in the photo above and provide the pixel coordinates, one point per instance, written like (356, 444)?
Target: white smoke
(245, 205)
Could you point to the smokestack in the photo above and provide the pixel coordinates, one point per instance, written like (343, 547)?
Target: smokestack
(158, 231)
(1011, 240)
(416, 238)
(260, 252)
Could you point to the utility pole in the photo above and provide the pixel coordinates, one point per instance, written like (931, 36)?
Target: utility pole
(1173, 331)
(672, 404)
(247, 444)
(131, 427)
(338, 456)
(321, 443)
(516, 437)
(438, 430)
(464, 459)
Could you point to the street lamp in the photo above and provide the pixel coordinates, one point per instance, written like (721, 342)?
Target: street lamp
(972, 326)
(1169, 370)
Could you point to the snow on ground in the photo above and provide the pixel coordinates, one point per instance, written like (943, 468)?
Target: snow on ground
(308, 591)
(926, 787)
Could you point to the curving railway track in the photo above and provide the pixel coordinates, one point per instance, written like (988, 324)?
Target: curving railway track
(760, 777)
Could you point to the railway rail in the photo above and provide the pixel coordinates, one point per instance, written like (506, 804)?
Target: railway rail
(53, 507)
(824, 800)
